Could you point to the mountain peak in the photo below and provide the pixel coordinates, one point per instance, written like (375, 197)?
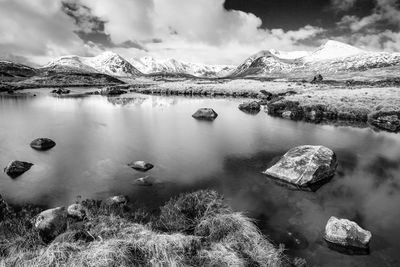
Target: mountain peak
(331, 50)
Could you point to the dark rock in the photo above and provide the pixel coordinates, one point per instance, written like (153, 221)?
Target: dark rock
(318, 78)
(388, 120)
(252, 106)
(112, 91)
(141, 165)
(285, 108)
(346, 233)
(76, 211)
(50, 223)
(17, 168)
(61, 91)
(42, 144)
(305, 165)
(205, 114)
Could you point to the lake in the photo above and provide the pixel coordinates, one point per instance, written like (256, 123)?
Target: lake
(98, 136)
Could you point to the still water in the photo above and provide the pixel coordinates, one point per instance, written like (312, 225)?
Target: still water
(97, 136)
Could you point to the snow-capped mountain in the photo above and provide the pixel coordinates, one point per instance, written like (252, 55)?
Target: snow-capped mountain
(331, 57)
(149, 65)
(11, 69)
(107, 63)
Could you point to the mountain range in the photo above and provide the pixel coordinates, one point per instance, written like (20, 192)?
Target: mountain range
(332, 57)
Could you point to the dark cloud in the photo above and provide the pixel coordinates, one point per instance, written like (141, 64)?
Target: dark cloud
(91, 27)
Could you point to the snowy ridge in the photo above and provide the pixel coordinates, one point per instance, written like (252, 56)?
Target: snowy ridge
(150, 65)
(107, 63)
(331, 57)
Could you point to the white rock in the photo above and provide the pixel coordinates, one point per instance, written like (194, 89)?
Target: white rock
(346, 233)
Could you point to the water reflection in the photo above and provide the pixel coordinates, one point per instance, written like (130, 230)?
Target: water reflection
(97, 136)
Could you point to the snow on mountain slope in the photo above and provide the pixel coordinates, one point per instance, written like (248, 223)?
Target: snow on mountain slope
(332, 50)
(289, 54)
(332, 57)
(150, 65)
(111, 63)
(107, 63)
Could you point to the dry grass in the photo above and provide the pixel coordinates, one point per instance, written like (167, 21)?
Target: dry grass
(195, 229)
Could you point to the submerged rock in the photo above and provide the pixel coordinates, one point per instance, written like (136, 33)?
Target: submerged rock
(50, 223)
(61, 91)
(76, 211)
(141, 165)
(205, 114)
(144, 181)
(346, 233)
(17, 168)
(252, 106)
(305, 165)
(42, 144)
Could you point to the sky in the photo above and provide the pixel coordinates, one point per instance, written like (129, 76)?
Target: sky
(202, 31)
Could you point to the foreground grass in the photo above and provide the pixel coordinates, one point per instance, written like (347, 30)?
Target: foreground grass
(195, 229)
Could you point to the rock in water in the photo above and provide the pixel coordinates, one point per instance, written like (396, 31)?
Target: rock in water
(141, 165)
(112, 91)
(305, 165)
(346, 233)
(76, 211)
(252, 106)
(144, 181)
(43, 144)
(205, 114)
(17, 168)
(50, 223)
(61, 91)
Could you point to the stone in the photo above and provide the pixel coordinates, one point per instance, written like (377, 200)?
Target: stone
(61, 91)
(252, 106)
(50, 223)
(205, 114)
(116, 200)
(287, 114)
(144, 181)
(42, 144)
(317, 78)
(389, 123)
(141, 165)
(76, 211)
(346, 233)
(305, 165)
(112, 91)
(17, 168)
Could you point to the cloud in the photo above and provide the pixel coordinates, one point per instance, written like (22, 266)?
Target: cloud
(342, 5)
(377, 31)
(37, 29)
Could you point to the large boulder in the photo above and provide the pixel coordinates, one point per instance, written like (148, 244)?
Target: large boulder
(141, 165)
(346, 233)
(205, 114)
(42, 144)
(317, 78)
(250, 107)
(76, 211)
(17, 168)
(50, 223)
(305, 165)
